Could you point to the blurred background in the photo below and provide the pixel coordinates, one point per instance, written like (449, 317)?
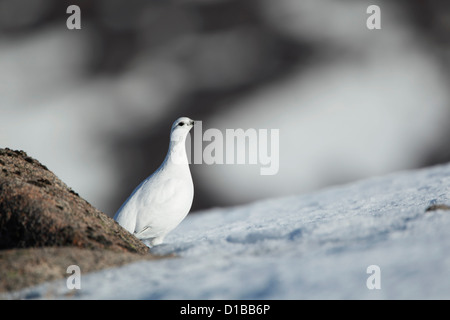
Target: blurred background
(96, 105)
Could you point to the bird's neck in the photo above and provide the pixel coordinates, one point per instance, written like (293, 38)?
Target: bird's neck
(177, 153)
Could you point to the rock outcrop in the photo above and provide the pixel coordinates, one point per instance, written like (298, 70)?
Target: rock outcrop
(37, 210)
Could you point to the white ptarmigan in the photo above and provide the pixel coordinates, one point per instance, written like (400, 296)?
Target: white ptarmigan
(164, 199)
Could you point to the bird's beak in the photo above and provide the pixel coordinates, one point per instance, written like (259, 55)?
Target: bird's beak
(192, 122)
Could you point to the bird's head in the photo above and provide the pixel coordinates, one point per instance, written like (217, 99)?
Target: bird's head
(180, 128)
(183, 123)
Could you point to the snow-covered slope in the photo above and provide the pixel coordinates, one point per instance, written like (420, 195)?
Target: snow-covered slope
(308, 246)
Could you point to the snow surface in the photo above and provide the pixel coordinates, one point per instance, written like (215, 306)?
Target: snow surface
(311, 246)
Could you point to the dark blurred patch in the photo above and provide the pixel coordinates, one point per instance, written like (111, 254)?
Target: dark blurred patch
(432, 18)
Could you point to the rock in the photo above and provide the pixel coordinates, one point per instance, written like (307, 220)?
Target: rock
(436, 207)
(38, 211)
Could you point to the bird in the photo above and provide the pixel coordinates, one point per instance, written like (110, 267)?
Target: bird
(160, 202)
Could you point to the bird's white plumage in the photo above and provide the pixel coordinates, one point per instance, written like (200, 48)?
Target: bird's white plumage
(164, 199)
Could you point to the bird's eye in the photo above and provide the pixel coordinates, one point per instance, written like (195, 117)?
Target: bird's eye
(181, 124)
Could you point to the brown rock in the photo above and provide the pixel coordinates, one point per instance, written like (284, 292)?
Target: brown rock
(45, 226)
(37, 209)
(436, 207)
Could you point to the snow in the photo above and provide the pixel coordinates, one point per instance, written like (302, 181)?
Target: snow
(310, 246)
